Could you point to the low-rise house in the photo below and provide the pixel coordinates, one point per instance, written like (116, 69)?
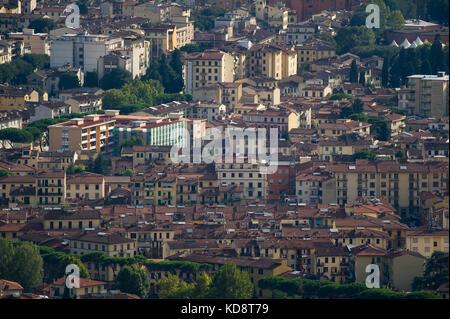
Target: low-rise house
(87, 286)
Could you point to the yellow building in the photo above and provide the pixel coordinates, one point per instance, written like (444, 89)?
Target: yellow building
(426, 242)
(331, 263)
(61, 219)
(88, 186)
(12, 98)
(313, 50)
(87, 286)
(51, 187)
(162, 39)
(111, 244)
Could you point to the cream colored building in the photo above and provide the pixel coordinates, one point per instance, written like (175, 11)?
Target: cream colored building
(111, 244)
(426, 242)
(38, 42)
(429, 95)
(210, 66)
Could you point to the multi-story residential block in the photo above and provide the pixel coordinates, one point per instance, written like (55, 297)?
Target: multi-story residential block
(111, 61)
(87, 186)
(38, 42)
(296, 33)
(51, 187)
(332, 263)
(50, 110)
(343, 127)
(81, 50)
(207, 111)
(398, 183)
(67, 220)
(271, 61)
(210, 66)
(246, 174)
(86, 103)
(16, 98)
(111, 244)
(313, 50)
(93, 132)
(162, 39)
(425, 242)
(280, 119)
(315, 188)
(428, 95)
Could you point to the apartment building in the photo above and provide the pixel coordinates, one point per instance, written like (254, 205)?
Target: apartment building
(296, 34)
(343, 127)
(151, 239)
(111, 244)
(398, 183)
(51, 187)
(315, 188)
(87, 186)
(227, 93)
(38, 42)
(265, 60)
(85, 103)
(313, 50)
(207, 111)
(428, 95)
(245, 174)
(157, 131)
(93, 132)
(64, 219)
(162, 39)
(210, 66)
(425, 241)
(81, 50)
(281, 119)
(111, 61)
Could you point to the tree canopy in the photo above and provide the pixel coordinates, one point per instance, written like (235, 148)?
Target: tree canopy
(133, 280)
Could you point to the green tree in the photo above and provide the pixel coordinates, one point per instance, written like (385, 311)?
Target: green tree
(68, 80)
(363, 155)
(99, 164)
(435, 273)
(83, 6)
(359, 117)
(231, 283)
(350, 37)
(353, 77)
(26, 266)
(4, 172)
(357, 106)
(438, 10)
(395, 20)
(192, 48)
(380, 129)
(115, 79)
(42, 25)
(16, 135)
(114, 98)
(133, 280)
(408, 8)
(385, 73)
(134, 140)
(436, 55)
(202, 286)
(75, 169)
(362, 78)
(91, 79)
